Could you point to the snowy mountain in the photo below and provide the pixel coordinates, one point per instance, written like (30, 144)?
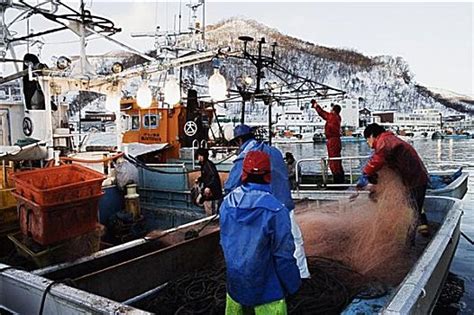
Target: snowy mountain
(379, 83)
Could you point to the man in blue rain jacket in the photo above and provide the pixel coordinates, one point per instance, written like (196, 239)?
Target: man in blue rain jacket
(257, 243)
(280, 186)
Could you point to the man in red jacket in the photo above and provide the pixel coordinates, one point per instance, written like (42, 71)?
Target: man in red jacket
(401, 157)
(332, 130)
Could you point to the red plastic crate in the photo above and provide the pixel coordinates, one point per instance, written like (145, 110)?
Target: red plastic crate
(58, 185)
(51, 224)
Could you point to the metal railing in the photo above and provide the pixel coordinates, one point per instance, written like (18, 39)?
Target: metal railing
(324, 169)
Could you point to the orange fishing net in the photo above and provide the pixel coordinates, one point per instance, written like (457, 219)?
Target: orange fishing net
(369, 234)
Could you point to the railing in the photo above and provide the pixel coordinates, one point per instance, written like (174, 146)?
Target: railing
(324, 169)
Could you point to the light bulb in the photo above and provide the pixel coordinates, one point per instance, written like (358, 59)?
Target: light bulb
(112, 102)
(171, 91)
(217, 86)
(144, 97)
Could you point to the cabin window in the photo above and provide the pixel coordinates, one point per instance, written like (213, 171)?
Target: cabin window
(150, 121)
(135, 122)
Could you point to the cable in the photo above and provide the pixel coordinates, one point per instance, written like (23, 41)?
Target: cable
(45, 293)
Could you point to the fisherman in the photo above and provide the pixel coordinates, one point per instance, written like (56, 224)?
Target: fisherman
(211, 191)
(258, 246)
(245, 138)
(291, 167)
(332, 130)
(391, 151)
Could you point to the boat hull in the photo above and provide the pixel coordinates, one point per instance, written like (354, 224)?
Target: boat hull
(421, 288)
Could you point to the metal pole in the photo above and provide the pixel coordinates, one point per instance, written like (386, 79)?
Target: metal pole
(259, 64)
(270, 121)
(204, 23)
(83, 39)
(242, 115)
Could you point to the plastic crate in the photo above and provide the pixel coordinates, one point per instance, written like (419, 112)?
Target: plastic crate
(58, 185)
(51, 224)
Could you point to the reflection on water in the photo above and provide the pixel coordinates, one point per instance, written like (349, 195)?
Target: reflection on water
(437, 155)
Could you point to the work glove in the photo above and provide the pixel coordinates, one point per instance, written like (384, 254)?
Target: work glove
(362, 181)
(373, 179)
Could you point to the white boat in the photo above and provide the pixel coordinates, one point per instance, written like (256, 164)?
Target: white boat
(455, 189)
(109, 280)
(294, 138)
(456, 181)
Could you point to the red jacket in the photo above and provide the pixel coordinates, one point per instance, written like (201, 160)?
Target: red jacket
(333, 122)
(398, 155)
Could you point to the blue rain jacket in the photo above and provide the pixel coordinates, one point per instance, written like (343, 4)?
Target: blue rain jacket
(280, 184)
(258, 246)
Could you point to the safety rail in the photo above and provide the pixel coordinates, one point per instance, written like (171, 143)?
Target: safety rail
(324, 169)
(167, 165)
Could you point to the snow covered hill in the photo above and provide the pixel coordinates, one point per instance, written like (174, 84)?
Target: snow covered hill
(379, 83)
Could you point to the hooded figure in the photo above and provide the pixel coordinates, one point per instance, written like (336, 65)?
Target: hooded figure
(34, 96)
(279, 185)
(257, 243)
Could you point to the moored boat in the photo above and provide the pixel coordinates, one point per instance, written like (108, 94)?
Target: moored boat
(128, 281)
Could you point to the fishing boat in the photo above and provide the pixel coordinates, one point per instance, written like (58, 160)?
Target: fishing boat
(121, 277)
(319, 137)
(305, 137)
(160, 139)
(312, 177)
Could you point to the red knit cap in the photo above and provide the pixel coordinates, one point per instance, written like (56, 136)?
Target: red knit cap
(257, 163)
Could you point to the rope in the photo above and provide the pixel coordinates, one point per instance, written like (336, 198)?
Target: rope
(111, 158)
(45, 293)
(331, 288)
(467, 238)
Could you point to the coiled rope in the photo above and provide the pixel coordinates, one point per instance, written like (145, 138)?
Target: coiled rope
(330, 289)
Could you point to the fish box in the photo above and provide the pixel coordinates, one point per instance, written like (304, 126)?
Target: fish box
(52, 224)
(58, 185)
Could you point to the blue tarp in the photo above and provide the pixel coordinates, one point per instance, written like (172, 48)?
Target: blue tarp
(441, 181)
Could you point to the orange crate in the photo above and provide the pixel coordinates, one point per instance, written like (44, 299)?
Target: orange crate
(52, 224)
(57, 185)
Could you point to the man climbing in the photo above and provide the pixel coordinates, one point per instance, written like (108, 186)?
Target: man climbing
(401, 157)
(257, 243)
(332, 130)
(280, 185)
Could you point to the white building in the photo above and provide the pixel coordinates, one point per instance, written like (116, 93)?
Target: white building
(421, 119)
(349, 111)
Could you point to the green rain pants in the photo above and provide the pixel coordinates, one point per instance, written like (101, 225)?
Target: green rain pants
(272, 308)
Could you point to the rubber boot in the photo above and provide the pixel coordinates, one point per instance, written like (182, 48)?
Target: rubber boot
(423, 227)
(338, 178)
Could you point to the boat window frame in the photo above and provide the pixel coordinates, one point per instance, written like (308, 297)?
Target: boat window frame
(146, 120)
(137, 126)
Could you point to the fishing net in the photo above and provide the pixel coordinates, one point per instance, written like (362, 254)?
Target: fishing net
(371, 234)
(355, 249)
(329, 291)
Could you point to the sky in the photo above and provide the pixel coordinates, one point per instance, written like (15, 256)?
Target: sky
(435, 38)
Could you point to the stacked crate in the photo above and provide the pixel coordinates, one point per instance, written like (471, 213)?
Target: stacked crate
(58, 203)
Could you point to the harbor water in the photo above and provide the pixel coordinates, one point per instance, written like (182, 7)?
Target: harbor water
(437, 155)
